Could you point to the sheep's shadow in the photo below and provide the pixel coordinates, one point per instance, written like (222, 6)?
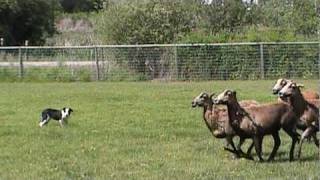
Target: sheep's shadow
(283, 156)
(301, 159)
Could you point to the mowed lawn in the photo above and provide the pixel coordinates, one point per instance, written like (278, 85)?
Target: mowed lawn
(136, 130)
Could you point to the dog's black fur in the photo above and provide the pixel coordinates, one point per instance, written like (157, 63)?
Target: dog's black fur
(59, 115)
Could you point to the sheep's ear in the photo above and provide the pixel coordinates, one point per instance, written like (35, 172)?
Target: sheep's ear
(212, 95)
(300, 85)
(233, 92)
(204, 94)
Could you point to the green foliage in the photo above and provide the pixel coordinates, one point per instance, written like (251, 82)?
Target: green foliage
(197, 63)
(223, 15)
(305, 18)
(82, 5)
(202, 37)
(146, 23)
(151, 21)
(297, 16)
(221, 21)
(61, 74)
(254, 34)
(22, 20)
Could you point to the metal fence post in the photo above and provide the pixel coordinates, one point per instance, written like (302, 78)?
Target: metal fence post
(97, 63)
(176, 62)
(21, 63)
(261, 62)
(26, 51)
(319, 64)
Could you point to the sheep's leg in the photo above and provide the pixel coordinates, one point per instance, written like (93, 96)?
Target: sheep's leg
(277, 143)
(248, 154)
(242, 154)
(258, 146)
(241, 141)
(250, 149)
(294, 136)
(314, 135)
(309, 131)
(229, 140)
(315, 139)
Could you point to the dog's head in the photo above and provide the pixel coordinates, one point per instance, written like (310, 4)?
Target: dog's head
(66, 111)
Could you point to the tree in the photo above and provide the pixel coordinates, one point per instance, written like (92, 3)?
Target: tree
(304, 18)
(82, 5)
(150, 22)
(296, 15)
(30, 20)
(223, 15)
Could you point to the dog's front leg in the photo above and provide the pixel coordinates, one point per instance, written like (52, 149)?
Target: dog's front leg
(42, 123)
(61, 122)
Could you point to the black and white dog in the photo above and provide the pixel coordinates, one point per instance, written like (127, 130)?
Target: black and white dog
(59, 115)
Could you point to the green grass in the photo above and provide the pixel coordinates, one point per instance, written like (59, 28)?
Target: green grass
(135, 130)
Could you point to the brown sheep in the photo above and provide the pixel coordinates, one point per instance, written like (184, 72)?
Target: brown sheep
(308, 94)
(315, 102)
(216, 120)
(302, 124)
(308, 113)
(257, 121)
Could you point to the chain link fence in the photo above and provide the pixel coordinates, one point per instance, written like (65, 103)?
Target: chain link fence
(162, 62)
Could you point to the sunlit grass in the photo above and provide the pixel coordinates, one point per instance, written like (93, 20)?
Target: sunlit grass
(131, 131)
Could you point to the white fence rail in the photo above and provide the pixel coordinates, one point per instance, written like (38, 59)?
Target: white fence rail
(162, 61)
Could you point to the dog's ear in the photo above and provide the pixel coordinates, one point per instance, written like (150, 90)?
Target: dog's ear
(70, 110)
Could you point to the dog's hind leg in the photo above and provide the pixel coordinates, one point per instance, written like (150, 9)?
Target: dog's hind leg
(44, 121)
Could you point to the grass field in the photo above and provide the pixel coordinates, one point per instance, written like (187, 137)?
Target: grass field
(137, 130)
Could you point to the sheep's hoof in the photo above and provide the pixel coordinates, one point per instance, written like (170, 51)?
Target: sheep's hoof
(235, 153)
(270, 159)
(230, 150)
(241, 153)
(249, 157)
(235, 156)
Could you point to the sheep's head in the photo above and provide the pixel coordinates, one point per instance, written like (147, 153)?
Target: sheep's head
(227, 96)
(279, 85)
(202, 99)
(290, 89)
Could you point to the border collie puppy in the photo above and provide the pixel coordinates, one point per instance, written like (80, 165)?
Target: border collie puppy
(58, 115)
